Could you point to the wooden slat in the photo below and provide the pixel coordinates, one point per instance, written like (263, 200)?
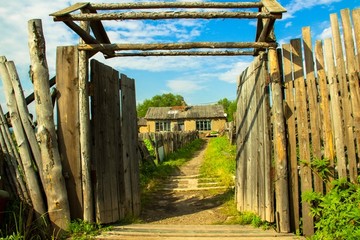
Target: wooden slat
(107, 155)
(130, 139)
(356, 21)
(353, 79)
(291, 140)
(68, 121)
(313, 104)
(347, 126)
(273, 6)
(328, 140)
(72, 8)
(303, 132)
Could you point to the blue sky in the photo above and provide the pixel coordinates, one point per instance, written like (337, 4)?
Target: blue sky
(201, 80)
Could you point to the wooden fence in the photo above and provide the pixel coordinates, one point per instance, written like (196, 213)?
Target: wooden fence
(165, 143)
(322, 103)
(321, 98)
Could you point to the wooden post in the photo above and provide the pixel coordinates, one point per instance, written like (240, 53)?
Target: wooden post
(84, 119)
(32, 181)
(281, 181)
(53, 180)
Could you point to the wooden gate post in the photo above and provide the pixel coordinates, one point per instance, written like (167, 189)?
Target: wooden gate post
(281, 178)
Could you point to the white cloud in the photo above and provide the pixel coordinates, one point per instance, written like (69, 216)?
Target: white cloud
(232, 74)
(326, 33)
(288, 24)
(185, 86)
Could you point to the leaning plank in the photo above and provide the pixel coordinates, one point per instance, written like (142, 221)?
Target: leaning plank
(70, 9)
(273, 6)
(356, 21)
(345, 100)
(336, 111)
(353, 79)
(281, 168)
(312, 94)
(328, 140)
(23, 145)
(130, 138)
(53, 180)
(291, 140)
(163, 15)
(67, 67)
(303, 133)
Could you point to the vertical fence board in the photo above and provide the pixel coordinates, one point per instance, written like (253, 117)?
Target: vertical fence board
(106, 156)
(291, 140)
(313, 104)
(353, 79)
(356, 21)
(345, 100)
(130, 139)
(68, 122)
(303, 133)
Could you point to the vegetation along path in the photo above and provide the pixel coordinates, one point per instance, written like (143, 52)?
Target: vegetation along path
(196, 203)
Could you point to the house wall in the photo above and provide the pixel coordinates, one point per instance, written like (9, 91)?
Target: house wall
(144, 129)
(218, 124)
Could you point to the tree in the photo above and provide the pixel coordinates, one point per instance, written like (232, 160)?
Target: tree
(229, 108)
(164, 100)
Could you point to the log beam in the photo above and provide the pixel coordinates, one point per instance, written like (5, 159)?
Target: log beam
(185, 53)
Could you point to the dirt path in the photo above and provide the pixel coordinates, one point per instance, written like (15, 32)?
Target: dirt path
(182, 201)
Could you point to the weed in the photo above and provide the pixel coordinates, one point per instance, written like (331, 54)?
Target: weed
(82, 230)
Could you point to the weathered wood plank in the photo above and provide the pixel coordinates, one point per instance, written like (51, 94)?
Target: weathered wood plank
(312, 94)
(328, 140)
(273, 6)
(353, 79)
(347, 125)
(130, 139)
(303, 134)
(67, 66)
(291, 139)
(356, 22)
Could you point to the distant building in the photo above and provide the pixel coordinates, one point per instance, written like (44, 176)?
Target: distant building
(205, 119)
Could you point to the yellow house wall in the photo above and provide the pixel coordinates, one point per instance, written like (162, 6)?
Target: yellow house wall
(144, 129)
(217, 124)
(189, 125)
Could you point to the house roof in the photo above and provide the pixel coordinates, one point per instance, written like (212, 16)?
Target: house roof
(141, 122)
(188, 112)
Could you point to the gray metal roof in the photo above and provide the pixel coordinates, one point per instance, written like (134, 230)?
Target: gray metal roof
(188, 112)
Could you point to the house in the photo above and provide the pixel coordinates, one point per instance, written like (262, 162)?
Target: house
(205, 119)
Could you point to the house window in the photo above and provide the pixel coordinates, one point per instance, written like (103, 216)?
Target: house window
(162, 126)
(203, 125)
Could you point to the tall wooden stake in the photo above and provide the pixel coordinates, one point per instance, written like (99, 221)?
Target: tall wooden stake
(281, 181)
(53, 180)
(84, 119)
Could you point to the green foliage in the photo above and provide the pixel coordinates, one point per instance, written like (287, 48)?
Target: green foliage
(229, 108)
(337, 214)
(219, 160)
(321, 167)
(149, 147)
(82, 230)
(150, 174)
(164, 100)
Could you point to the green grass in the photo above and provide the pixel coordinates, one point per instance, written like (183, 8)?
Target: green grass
(82, 230)
(150, 175)
(219, 161)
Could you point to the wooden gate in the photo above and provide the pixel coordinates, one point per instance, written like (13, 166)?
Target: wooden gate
(254, 191)
(114, 159)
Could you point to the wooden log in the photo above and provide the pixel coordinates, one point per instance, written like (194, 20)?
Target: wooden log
(335, 106)
(291, 140)
(303, 133)
(53, 180)
(312, 94)
(329, 151)
(24, 114)
(129, 138)
(347, 125)
(185, 53)
(84, 131)
(172, 46)
(148, 5)
(163, 15)
(12, 159)
(32, 180)
(353, 78)
(281, 182)
(67, 73)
